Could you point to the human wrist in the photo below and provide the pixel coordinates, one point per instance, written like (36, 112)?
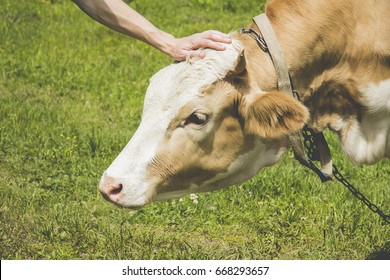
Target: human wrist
(162, 41)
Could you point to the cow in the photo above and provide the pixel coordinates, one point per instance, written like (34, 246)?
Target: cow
(214, 122)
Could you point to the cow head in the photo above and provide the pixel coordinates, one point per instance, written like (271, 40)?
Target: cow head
(202, 129)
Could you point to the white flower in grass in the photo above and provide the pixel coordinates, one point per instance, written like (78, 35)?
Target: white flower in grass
(194, 198)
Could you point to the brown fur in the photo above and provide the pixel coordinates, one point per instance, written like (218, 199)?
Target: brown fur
(274, 115)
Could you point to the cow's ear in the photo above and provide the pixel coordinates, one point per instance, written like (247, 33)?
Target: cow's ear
(273, 114)
(239, 67)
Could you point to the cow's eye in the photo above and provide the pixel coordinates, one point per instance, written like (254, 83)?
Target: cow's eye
(196, 118)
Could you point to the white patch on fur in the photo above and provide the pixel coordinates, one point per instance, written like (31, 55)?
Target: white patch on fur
(169, 90)
(377, 96)
(247, 165)
(369, 141)
(243, 168)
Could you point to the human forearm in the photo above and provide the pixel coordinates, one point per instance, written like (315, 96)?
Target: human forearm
(118, 16)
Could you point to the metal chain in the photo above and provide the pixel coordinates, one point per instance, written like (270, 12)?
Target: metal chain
(313, 154)
(309, 143)
(374, 208)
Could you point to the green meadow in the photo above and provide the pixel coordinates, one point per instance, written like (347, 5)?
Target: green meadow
(71, 96)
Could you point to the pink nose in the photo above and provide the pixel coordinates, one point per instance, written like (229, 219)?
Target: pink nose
(111, 190)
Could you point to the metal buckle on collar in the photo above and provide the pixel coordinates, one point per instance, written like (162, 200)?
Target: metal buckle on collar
(256, 36)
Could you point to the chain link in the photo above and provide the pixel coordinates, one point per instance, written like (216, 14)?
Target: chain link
(309, 143)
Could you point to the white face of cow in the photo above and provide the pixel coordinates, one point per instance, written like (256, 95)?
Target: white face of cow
(200, 132)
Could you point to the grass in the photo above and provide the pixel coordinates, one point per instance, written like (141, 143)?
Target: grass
(71, 95)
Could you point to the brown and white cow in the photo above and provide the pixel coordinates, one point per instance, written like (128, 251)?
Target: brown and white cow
(214, 122)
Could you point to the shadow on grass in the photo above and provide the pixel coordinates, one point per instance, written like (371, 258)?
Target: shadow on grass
(381, 254)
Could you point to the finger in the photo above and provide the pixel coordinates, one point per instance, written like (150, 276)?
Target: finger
(216, 36)
(210, 44)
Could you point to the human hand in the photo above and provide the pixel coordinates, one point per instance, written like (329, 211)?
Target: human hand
(192, 46)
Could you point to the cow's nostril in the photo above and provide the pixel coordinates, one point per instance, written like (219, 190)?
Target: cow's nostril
(111, 189)
(115, 189)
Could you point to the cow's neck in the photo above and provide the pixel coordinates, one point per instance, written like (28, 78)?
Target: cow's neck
(312, 41)
(309, 46)
(331, 40)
